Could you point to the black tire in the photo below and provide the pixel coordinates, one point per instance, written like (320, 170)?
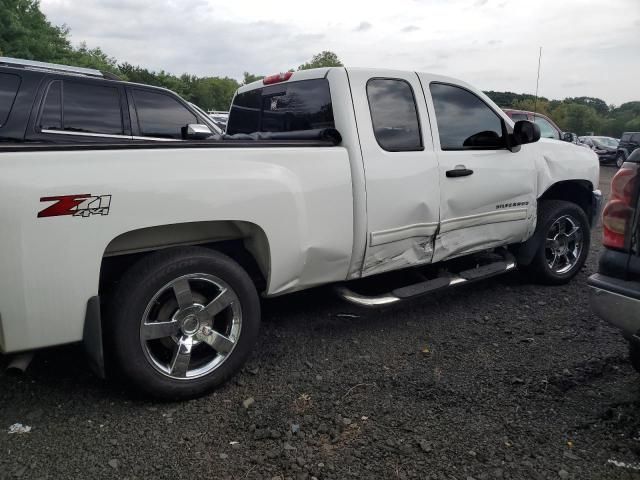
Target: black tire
(634, 355)
(550, 211)
(142, 283)
(620, 159)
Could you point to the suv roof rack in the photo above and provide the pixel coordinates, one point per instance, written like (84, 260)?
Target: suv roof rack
(33, 65)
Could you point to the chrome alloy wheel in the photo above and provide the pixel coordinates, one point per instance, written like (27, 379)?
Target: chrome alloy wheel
(563, 244)
(191, 326)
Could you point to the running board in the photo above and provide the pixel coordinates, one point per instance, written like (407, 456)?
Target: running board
(429, 286)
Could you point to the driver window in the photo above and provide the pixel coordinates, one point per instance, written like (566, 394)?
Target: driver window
(546, 129)
(465, 122)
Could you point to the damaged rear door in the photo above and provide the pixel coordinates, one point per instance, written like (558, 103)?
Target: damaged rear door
(401, 169)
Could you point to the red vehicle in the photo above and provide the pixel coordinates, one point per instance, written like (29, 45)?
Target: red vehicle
(548, 129)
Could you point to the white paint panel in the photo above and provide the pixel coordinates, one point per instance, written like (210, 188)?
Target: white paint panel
(300, 197)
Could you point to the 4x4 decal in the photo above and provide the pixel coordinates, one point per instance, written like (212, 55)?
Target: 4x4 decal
(81, 205)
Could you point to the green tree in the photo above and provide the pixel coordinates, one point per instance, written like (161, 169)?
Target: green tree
(250, 78)
(26, 33)
(322, 59)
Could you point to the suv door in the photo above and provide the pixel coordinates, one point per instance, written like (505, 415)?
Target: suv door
(401, 169)
(487, 193)
(73, 110)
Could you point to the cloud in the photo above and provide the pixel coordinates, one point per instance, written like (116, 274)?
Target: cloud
(363, 27)
(212, 37)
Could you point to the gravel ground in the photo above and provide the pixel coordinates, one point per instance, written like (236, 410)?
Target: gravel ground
(502, 379)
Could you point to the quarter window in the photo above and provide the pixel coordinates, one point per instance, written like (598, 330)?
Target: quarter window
(465, 122)
(8, 90)
(394, 114)
(160, 115)
(51, 118)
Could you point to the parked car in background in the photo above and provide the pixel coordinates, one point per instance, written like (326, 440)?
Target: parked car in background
(629, 141)
(615, 289)
(220, 118)
(605, 147)
(548, 128)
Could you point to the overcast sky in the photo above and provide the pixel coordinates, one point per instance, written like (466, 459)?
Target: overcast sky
(590, 47)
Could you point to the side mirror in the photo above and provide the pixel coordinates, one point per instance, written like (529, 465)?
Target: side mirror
(524, 132)
(567, 137)
(196, 131)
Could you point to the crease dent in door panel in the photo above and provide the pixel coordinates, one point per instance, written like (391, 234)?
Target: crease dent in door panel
(499, 216)
(393, 256)
(402, 233)
(478, 238)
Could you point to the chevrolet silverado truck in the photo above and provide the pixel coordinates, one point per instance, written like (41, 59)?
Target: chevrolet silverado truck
(128, 226)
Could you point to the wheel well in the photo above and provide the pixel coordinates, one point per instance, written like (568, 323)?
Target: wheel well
(246, 243)
(575, 191)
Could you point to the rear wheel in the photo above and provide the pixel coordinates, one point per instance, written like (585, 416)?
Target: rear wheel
(183, 321)
(565, 238)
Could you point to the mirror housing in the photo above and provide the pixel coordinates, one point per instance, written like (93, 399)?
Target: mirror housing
(196, 131)
(568, 136)
(524, 132)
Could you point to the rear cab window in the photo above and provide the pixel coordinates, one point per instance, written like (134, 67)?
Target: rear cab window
(9, 85)
(283, 107)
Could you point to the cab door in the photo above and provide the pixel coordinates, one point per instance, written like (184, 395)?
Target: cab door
(487, 192)
(401, 169)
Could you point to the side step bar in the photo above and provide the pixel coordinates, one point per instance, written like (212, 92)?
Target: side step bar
(429, 286)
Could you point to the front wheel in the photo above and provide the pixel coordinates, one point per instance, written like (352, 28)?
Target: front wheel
(183, 321)
(565, 237)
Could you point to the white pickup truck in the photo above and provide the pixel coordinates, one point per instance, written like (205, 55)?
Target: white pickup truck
(124, 229)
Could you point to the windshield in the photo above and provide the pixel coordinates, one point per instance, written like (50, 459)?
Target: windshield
(605, 142)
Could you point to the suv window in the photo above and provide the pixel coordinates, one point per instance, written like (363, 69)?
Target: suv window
(283, 107)
(635, 137)
(83, 108)
(464, 120)
(394, 114)
(546, 129)
(160, 115)
(8, 90)
(519, 116)
(625, 137)
(91, 108)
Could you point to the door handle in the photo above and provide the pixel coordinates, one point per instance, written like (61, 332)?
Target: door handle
(459, 171)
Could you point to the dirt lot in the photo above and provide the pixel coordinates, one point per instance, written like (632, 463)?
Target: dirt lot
(503, 379)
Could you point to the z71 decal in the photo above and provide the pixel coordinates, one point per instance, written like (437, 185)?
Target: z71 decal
(82, 205)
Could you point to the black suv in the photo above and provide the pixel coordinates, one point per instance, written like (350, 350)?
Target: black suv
(49, 103)
(615, 289)
(629, 141)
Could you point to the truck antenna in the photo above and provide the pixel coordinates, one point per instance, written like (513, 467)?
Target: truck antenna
(535, 103)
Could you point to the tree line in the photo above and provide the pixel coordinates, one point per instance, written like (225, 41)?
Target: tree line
(26, 33)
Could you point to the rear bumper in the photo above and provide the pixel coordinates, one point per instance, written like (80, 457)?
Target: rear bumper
(617, 302)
